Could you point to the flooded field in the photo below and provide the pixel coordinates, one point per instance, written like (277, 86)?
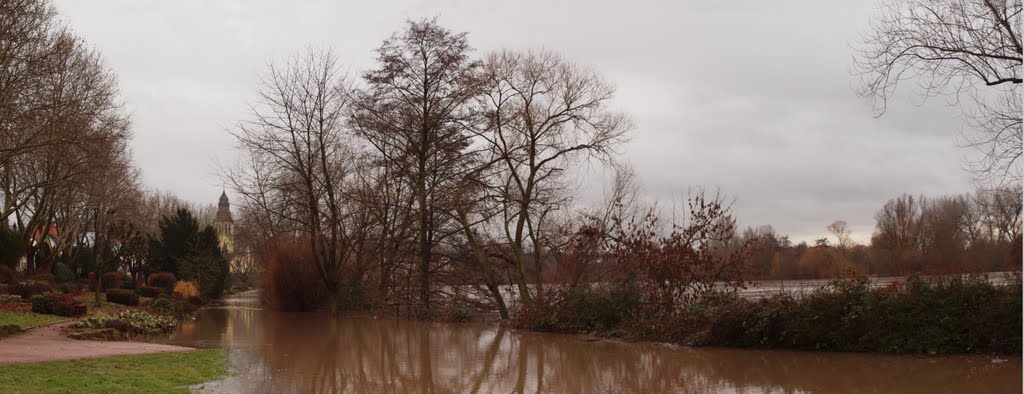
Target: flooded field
(304, 352)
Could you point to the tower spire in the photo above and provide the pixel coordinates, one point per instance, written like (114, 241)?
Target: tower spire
(224, 208)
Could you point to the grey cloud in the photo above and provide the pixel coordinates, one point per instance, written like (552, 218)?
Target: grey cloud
(752, 96)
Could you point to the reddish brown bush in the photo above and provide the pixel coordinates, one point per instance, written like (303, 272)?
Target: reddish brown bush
(111, 280)
(290, 278)
(163, 280)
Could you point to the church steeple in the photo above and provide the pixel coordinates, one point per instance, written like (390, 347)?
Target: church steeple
(224, 209)
(225, 225)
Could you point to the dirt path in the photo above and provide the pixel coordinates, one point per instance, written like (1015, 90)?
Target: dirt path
(47, 344)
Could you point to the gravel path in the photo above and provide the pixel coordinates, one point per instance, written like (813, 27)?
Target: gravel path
(47, 344)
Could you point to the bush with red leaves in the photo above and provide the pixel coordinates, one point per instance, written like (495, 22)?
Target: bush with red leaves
(290, 278)
(163, 280)
(111, 280)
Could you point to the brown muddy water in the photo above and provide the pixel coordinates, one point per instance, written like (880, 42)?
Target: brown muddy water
(276, 352)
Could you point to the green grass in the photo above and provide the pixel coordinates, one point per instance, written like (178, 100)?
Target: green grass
(149, 373)
(28, 320)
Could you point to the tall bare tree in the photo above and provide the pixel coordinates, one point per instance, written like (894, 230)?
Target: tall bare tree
(416, 112)
(969, 50)
(544, 115)
(62, 127)
(295, 161)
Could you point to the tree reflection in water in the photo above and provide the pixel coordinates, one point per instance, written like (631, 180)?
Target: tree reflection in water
(295, 352)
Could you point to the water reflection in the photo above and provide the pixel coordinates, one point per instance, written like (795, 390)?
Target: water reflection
(282, 352)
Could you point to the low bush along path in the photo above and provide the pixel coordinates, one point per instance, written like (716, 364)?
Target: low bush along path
(47, 344)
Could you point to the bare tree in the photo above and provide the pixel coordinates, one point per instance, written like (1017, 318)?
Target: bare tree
(841, 231)
(477, 206)
(62, 127)
(386, 203)
(416, 112)
(296, 164)
(1001, 212)
(897, 227)
(544, 114)
(955, 48)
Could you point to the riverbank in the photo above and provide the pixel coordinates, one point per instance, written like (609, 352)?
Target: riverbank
(949, 315)
(47, 343)
(271, 351)
(163, 372)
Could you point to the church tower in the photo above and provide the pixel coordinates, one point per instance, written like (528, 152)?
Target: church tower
(225, 225)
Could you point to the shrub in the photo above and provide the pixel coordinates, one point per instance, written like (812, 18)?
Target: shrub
(29, 288)
(53, 304)
(62, 273)
(351, 298)
(127, 282)
(936, 316)
(291, 281)
(211, 274)
(580, 309)
(71, 288)
(123, 297)
(185, 290)
(169, 307)
(215, 278)
(150, 291)
(44, 277)
(163, 280)
(45, 304)
(7, 275)
(131, 322)
(111, 280)
(459, 314)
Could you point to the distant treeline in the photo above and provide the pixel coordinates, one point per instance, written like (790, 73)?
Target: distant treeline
(946, 234)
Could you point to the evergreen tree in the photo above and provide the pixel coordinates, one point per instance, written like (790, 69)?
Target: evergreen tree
(177, 233)
(11, 247)
(209, 264)
(190, 254)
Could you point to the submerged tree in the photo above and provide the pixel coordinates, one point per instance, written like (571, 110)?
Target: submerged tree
(296, 162)
(416, 112)
(543, 116)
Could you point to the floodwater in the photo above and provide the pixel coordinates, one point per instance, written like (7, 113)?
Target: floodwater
(276, 352)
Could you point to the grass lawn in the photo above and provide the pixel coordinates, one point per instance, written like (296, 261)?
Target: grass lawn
(28, 320)
(149, 373)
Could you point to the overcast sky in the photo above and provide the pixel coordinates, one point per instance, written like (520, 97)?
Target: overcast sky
(755, 97)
